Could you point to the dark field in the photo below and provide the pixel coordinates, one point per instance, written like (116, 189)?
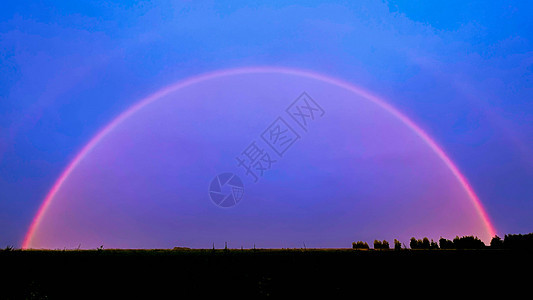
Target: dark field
(349, 273)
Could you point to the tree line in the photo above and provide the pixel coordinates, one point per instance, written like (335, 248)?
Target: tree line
(510, 241)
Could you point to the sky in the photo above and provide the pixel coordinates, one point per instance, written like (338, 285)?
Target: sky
(460, 70)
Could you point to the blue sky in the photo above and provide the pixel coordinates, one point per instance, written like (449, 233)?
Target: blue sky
(461, 69)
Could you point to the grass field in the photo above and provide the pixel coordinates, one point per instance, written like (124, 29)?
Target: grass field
(148, 274)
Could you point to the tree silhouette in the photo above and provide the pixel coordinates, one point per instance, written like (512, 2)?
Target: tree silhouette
(496, 242)
(468, 242)
(381, 244)
(425, 243)
(385, 245)
(413, 243)
(433, 245)
(518, 241)
(360, 245)
(377, 244)
(510, 241)
(445, 243)
(421, 244)
(397, 245)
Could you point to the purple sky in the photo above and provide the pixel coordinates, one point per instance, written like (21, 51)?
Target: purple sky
(354, 171)
(461, 71)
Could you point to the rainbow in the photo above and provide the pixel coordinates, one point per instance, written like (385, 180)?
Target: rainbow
(196, 79)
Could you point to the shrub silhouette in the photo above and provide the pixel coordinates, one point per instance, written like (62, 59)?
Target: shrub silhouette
(360, 245)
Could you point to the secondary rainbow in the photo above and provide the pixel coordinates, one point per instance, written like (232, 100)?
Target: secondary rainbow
(190, 81)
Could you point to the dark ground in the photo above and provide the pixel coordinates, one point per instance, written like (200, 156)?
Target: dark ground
(299, 273)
